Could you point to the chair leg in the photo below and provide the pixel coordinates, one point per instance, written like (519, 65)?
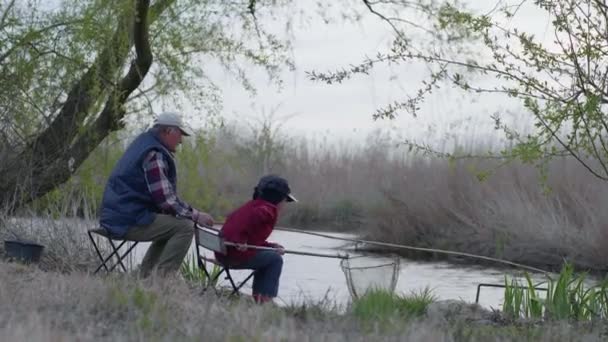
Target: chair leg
(210, 279)
(246, 280)
(117, 254)
(103, 263)
(213, 280)
(199, 261)
(109, 257)
(201, 265)
(123, 256)
(237, 288)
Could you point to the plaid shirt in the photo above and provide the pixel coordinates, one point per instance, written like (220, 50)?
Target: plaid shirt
(163, 193)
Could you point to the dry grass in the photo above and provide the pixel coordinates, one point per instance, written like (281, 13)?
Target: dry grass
(509, 215)
(50, 306)
(67, 247)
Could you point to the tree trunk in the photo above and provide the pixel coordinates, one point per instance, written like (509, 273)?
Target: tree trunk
(53, 155)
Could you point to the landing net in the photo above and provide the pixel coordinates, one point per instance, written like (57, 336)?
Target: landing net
(364, 274)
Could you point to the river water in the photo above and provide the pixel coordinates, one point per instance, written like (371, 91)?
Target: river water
(312, 279)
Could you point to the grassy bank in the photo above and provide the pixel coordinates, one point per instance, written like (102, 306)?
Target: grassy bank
(43, 306)
(58, 300)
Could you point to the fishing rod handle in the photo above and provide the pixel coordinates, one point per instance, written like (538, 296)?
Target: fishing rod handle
(287, 251)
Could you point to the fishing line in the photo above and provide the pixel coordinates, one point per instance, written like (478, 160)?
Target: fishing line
(422, 249)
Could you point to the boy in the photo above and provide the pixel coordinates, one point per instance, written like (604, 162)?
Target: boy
(252, 224)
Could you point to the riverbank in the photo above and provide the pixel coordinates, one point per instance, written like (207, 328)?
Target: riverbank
(43, 306)
(68, 250)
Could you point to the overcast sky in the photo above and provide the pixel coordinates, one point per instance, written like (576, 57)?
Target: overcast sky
(340, 110)
(344, 111)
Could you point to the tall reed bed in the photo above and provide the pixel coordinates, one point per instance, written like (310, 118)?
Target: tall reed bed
(510, 215)
(566, 296)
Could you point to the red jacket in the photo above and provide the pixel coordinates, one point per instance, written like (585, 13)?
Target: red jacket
(252, 223)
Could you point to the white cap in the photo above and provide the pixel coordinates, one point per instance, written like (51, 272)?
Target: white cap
(172, 119)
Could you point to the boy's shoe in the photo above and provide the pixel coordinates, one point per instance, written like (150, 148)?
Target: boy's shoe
(261, 299)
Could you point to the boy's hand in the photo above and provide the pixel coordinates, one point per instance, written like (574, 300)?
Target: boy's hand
(280, 249)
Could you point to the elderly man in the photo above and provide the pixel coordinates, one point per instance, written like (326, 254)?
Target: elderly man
(140, 202)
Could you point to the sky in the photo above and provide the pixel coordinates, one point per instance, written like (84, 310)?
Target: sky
(314, 108)
(344, 111)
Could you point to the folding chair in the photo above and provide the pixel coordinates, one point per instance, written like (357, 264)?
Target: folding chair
(106, 262)
(210, 239)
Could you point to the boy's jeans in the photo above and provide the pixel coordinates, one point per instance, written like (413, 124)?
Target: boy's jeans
(268, 266)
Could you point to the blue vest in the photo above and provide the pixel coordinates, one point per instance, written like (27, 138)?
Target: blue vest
(127, 202)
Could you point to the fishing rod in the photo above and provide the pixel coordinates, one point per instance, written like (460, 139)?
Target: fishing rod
(398, 246)
(274, 249)
(286, 251)
(422, 249)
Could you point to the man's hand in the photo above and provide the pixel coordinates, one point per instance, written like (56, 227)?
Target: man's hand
(202, 218)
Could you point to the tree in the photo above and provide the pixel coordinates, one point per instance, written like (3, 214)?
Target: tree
(562, 83)
(71, 71)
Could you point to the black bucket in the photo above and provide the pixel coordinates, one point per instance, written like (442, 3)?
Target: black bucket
(23, 250)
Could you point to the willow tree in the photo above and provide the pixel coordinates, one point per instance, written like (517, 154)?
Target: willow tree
(559, 74)
(72, 71)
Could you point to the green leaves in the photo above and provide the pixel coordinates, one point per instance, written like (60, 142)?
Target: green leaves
(559, 81)
(450, 17)
(568, 297)
(529, 151)
(71, 72)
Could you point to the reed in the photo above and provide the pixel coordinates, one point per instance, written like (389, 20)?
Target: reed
(193, 273)
(567, 297)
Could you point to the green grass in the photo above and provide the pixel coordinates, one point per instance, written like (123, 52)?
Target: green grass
(381, 305)
(192, 273)
(566, 298)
